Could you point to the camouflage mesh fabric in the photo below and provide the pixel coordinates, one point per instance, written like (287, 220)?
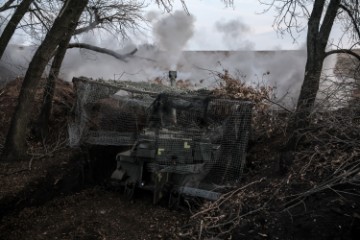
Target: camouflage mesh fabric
(201, 138)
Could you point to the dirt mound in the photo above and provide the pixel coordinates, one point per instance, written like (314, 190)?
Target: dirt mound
(93, 214)
(63, 101)
(42, 198)
(15, 176)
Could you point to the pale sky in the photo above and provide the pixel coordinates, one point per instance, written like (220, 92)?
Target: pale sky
(260, 36)
(211, 18)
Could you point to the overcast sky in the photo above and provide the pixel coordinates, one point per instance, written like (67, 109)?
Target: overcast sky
(214, 28)
(259, 34)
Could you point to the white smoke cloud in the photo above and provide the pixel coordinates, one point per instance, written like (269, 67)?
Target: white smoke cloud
(171, 36)
(233, 28)
(286, 67)
(152, 16)
(172, 33)
(234, 33)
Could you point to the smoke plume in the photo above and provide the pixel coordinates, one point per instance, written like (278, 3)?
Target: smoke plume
(286, 67)
(172, 33)
(233, 28)
(234, 33)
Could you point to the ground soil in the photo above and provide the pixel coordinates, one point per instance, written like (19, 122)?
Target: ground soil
(56, 194)
(93, 213)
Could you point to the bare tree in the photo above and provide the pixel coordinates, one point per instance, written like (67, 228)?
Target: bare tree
(33, 17)
(10, 28)
(7, 5)
(320, 16)
(65, 24)
(168, 4)
(41, 125)
(115, 17)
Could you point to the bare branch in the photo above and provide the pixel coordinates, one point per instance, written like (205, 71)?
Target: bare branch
(7, 5)
(46, 20)
(167, 4)
(347, 51)
(352, 18)
(289, 13)
(116, 17)
(121, 57)
(40, 17)
(92, 23)
(12, 24)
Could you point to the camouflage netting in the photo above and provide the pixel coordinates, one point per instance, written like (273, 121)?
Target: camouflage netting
(192, 132)
(110, 112)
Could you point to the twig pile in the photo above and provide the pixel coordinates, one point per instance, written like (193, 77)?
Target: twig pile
(327, 157)
(332, 142)
(329, 154)
(235, 88)
(45, 149)
(218, 219)
(238, 207)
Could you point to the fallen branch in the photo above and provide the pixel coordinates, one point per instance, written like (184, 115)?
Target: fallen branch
(225, 197)
(45, 152)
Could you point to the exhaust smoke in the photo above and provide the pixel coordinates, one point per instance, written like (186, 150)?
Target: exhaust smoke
(234, 34)
(172, 33)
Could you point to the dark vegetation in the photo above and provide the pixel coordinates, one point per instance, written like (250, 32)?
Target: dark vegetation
(302, 178)
(311, 193)
(59, 193)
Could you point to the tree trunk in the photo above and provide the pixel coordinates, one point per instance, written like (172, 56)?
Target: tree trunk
(15, 145)
(308, 92)
(41, 127)
(10, 28)
(317, 39)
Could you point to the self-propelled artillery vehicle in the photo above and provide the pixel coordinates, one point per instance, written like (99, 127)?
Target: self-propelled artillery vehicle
(170, 141)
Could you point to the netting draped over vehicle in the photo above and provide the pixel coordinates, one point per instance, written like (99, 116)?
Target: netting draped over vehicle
(110, 113)
(197, 136)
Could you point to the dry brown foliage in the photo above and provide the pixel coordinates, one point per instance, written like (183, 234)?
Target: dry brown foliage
(235, 88)
(326, 160)
(265, 121)
(62, 103)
